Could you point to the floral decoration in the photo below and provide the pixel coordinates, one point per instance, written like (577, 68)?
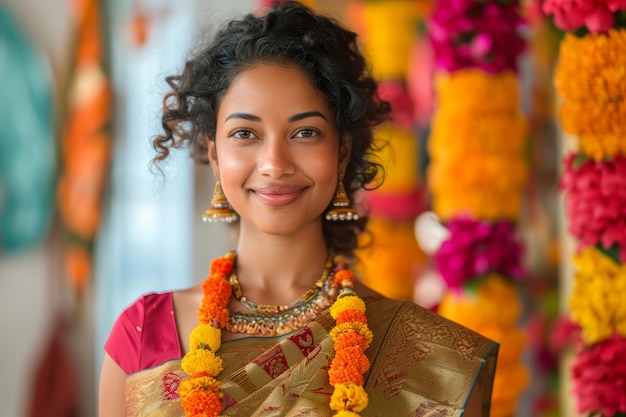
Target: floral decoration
(476, 248)
(594, 15)
(351, 337)
(595, 202)
(200, 394)
(598, 373)
(597, 300)
(477, 174)
(590, 79)
(476, 34)
(467, 150)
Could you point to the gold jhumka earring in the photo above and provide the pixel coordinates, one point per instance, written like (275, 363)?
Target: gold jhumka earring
(341, 209)
(220, 210)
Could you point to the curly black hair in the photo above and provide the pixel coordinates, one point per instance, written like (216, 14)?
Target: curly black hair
(289, 33)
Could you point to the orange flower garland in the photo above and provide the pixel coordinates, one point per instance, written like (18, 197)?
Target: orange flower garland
(200, 394)
(351, 337)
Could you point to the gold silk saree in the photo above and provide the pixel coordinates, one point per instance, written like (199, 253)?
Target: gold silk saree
(422, 365)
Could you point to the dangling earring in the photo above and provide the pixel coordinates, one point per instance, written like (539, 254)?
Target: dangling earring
(341, 209)
(220, 210)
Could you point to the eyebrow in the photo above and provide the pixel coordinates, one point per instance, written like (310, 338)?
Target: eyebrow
(294, 118)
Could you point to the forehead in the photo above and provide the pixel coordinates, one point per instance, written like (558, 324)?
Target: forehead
(273, 89)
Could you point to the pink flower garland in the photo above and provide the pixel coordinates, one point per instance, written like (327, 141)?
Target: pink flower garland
(596, 201)
(595, 15)
(599, 375)
(476, 248)
(476, 34)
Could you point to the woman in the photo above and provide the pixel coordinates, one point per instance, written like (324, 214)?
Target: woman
(282, 108)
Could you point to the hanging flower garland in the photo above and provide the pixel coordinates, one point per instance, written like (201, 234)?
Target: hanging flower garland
(387, 29)
(477, 174)
(591, 80)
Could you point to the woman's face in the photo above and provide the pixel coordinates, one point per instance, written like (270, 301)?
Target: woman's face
(276, 150)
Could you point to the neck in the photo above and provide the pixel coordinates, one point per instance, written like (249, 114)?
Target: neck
(280, 264)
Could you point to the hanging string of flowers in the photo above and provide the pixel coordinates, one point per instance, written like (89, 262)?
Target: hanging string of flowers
(387, 29)
(590, 79)
(476, 177)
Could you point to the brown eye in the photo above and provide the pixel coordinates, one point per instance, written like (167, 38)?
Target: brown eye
(243, 134)
(306, 133)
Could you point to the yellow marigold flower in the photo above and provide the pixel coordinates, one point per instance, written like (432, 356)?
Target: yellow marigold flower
(348, 396)
(205, 335)
(188, 386)
(360, 328)
(346, 303)
(201, 360)
(597, 303)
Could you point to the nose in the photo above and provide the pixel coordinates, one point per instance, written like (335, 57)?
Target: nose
(276, 158)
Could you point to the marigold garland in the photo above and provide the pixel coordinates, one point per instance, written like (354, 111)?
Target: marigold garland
(200, 394)
(590, 78)
(350, 339)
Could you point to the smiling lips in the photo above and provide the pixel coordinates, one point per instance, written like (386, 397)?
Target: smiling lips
(279, 196)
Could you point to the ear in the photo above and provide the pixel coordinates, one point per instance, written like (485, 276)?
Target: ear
(212, 154)
(345, 150)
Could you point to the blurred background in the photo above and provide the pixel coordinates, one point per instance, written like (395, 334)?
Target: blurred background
(470, 221)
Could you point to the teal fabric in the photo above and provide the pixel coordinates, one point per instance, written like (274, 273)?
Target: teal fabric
(28, 161)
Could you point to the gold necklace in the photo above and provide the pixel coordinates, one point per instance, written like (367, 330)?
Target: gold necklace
(274, 309)
(271, 320)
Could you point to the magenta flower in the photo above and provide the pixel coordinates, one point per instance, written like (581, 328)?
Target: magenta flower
(599, 377)
(476, 248)
(595, 201)
(471, 34)
(596, 15)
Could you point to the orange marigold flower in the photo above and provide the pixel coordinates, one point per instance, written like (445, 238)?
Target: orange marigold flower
(222, 266)
(217, 290)
(202, 404)
(209, 311)
(348, 316)
(348, 365)
(343, 274)
(350, 339)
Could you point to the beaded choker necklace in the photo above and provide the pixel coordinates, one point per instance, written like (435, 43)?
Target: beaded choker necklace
(200, 394)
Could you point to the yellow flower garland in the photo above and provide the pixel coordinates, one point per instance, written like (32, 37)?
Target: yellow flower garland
(597, 301)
